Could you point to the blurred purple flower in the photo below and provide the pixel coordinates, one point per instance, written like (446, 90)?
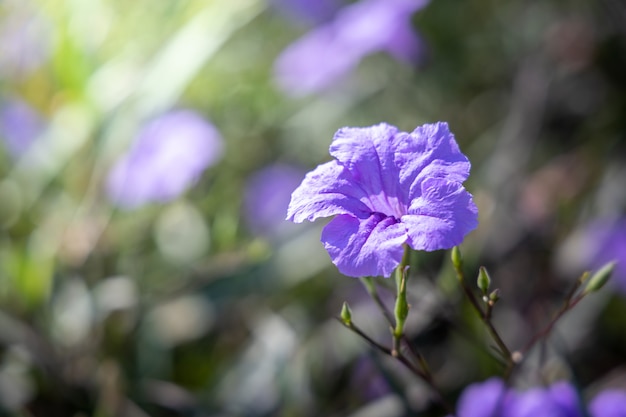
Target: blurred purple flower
(167, 157)
(557, 400)
(20, 126)
(368, 379)
(308, 11)
(267, 197)
(328, 53)
(492, 399)
(387, 188)
(485, 399)
(609, 403)
(606, 242)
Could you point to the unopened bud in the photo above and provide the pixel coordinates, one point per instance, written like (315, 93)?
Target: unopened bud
(346, 314)
(600, 278)
(484, 280)
(494, 296)
(457, 258)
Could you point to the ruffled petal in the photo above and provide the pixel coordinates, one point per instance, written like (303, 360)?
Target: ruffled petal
(368, 153)
(441, 217)
(430, 151)
(365, 247)
(326, 191)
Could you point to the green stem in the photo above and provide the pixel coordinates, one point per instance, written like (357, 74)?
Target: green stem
(423, 373)
(401, 309)
(485, 317)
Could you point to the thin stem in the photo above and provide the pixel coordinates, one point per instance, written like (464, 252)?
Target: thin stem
(371, 290)
(485, 317)
(401, 310)
(565, 307)
(425, 376)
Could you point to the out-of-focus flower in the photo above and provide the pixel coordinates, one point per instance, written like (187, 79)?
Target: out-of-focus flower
(387, 188)
(483, 399)
(492, 399)
(167, 157)
(609, 403)
(329, 52)
(267, 197)
(368, 379)
(557, 400)
(307, 11)
(20, 126)
(605, 241)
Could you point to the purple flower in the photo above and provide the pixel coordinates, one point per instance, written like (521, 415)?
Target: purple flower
(492, 399)
(20, 126)
(168, 156)
(267, 197)
(609, 403)
(483, 399)
(326, 54)
(387, 188)
(606, 242)
(558, 400)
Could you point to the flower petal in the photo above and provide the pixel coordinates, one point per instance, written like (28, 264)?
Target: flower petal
(365, 247)
(429, 151)
(368, 153)
(441, 217)
(326, 191)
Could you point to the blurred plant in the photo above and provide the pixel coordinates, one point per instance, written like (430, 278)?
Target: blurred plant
(25, 39)
(330, 52)
(166, 158)
(180, 309)
(307, 11)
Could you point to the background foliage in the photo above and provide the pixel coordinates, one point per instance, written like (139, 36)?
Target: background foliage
(209, 304)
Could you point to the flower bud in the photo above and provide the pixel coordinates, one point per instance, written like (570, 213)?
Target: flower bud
(346, 314)
(600, 278)
(457, 258)
(494, 296)
(484, 280)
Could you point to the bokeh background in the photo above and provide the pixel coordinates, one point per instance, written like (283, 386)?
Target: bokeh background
(148, 150)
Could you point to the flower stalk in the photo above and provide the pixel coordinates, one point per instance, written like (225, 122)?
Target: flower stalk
(484, 315)
(401, 309)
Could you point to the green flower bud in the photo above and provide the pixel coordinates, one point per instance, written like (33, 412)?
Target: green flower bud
(457, 258)
(484, 280)
(494, 296)
(346, 314)
(600, 278)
